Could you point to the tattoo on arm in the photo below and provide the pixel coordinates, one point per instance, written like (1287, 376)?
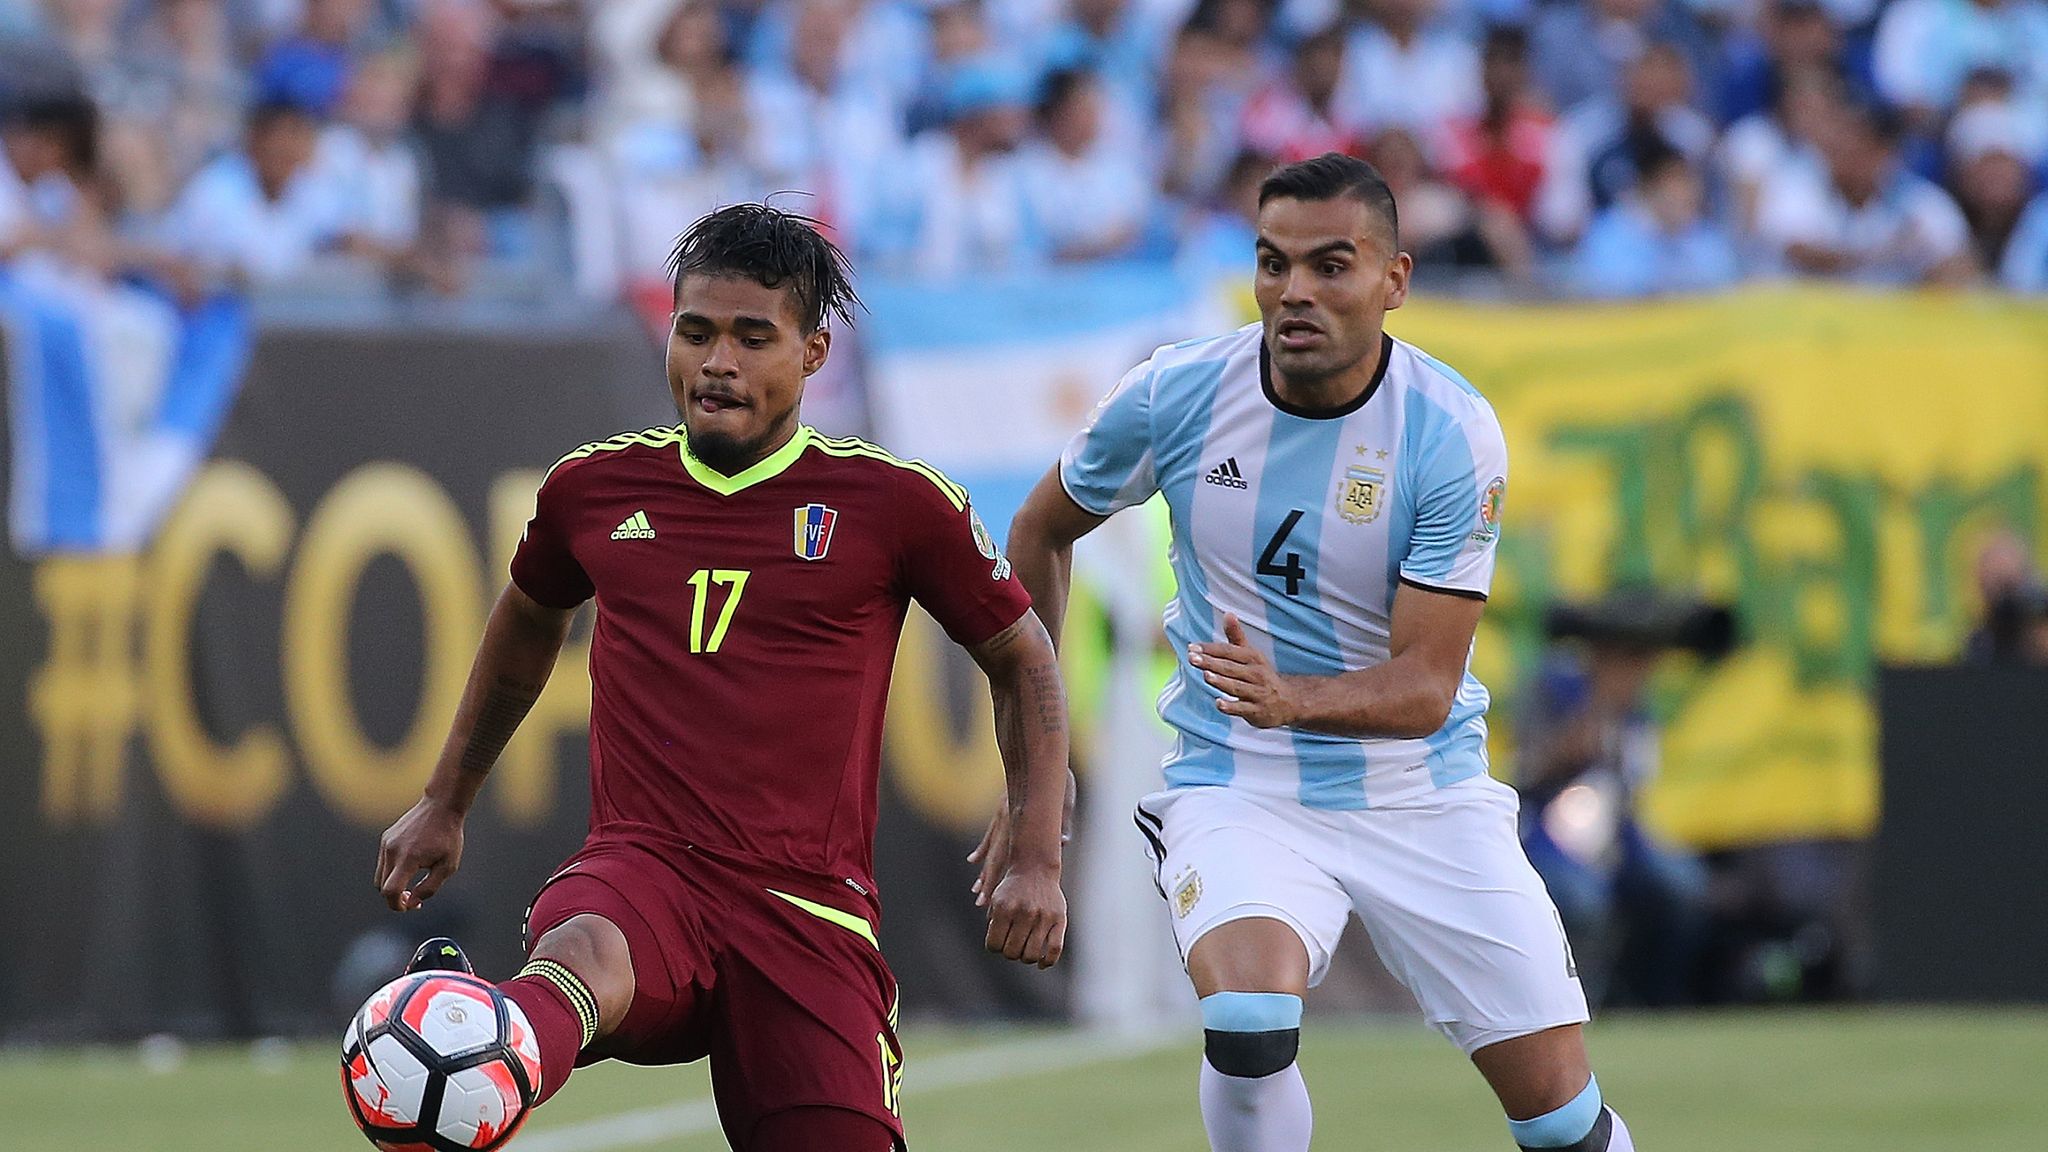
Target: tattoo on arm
(1043, 686)
(1001, 641)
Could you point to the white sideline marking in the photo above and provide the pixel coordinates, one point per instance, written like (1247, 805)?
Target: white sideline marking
(644, 1126)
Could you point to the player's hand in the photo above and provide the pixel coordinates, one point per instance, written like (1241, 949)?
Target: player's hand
(993, 853)
(426, 839)
(1253, 690)
(1027, 917)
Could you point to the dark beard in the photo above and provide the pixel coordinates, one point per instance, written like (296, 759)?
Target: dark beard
(725, 455)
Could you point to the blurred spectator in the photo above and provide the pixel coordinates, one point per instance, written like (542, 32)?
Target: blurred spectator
(1124, 43)
(829, 134)
(1582, 49)
(1210, 76)
(1498, 155)
(1294, 117)
(1657, 239)
(688, 46)
(1595, 152)
(1634, 908)
(91, 31)
(129, 140)
(1404, 69)
(1440, 226)
(483, 99)
(1791, 37)
(1511, 139)
(2012, 602)
(1243, 33)
(625, 41)
(191, 95)
(954, 207)
(1991, 164)
(311, 67)
(1926, 48)
(883, 55)
(33, 63)
(1087, 199)
(672, 174)
(2025, 265)
(1219, 238)
(1763, 145)
(368, 156)
(960, 38)
(1865, 218)
(50, 208)
(255, 218)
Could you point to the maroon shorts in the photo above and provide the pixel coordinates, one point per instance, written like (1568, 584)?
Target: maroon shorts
(776, 978)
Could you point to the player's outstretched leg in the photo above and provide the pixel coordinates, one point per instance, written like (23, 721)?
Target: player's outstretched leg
(1552, 1100)
(575, 988)
(1251, 975)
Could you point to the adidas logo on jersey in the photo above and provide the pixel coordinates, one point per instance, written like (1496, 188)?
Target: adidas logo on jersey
(1227, 475)
(634, 527)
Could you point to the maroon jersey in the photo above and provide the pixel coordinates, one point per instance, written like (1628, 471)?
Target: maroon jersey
(747, 628)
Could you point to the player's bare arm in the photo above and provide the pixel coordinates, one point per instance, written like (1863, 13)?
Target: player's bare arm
(1041, 552)
(519, 647)
(1409, 696)
(1041, 547)
(1027, 918)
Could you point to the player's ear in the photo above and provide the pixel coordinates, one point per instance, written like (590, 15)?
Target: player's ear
(817, 346)
(1398, 270)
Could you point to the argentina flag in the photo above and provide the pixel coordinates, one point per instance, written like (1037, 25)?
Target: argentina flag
(987, 380)
(114, 398)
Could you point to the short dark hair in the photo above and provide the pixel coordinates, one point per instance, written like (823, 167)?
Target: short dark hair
(1058, 87)
(1508, 40)
(1334, 176)
(267, 114)
(1654, 154)
(774, 249)
(73, 120)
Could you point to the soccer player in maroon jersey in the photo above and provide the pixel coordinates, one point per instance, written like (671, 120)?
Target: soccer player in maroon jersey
(751, 578)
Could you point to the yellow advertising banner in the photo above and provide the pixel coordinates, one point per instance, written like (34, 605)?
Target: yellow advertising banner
(1828, 463)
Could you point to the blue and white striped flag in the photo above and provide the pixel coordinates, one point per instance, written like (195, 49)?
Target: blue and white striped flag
(988, 380)
(115, 397)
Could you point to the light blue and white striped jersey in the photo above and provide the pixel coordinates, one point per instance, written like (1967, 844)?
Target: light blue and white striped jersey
(1303, 524)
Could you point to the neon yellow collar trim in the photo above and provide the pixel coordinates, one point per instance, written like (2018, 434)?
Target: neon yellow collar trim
(774, 465)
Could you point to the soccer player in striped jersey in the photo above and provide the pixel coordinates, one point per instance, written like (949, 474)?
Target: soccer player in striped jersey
(1336, 501)
(751, 578)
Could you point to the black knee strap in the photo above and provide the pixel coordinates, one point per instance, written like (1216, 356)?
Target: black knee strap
(1252, 1055)
(1595, 1141)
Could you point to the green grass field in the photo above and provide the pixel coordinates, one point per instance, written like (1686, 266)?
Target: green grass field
(1845, 1081)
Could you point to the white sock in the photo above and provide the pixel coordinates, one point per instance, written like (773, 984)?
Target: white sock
(1619, 1139)
(1269, 1114)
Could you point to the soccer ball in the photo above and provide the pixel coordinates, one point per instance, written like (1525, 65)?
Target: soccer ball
(439, 1062)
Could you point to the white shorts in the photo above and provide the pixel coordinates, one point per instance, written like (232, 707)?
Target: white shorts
(1441, 884)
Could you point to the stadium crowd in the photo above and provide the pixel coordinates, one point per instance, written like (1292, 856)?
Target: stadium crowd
(1602, 147)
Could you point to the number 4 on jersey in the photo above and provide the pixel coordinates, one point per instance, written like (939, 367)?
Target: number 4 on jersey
(702, 580)
(1291, 571)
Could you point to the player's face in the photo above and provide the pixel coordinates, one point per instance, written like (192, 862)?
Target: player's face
(737, 360)
(1328, 273)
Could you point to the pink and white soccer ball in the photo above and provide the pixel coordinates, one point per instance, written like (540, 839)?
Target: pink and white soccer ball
(439, 1062)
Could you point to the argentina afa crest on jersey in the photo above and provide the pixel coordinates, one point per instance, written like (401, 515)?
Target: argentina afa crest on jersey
(1304, 524)
(814, 531)
(1359, 500)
